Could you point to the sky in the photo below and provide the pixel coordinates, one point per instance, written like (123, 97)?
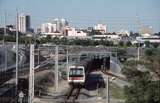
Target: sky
(116, 14)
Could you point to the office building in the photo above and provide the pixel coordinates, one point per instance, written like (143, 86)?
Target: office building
(57, 26)
(60, 24)
(101, 28)
(24, 23)
(48, 28)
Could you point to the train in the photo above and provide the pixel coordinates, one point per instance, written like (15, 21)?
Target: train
(78, 73)
(74, 70)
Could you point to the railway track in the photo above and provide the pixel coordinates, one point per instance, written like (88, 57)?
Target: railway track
(72, 94)
(74, 91)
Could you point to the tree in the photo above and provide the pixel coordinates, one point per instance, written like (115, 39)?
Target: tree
(56, 40)
(155, 45)
(147, 44)
(143, 89)
(149, 52)
(1, 36)
(121, 43)
(152, 55)
(64, 41)
(128, 43)
(145, 84)
(48, 38)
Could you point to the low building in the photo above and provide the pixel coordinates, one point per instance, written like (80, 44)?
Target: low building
(54, 34)
(151, 39)
(123, 32)
(89, 29)
(146, 35)
(71, 32)
(106, 37)
(11, 27)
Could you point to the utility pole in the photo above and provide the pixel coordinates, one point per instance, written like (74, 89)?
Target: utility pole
(67, 59)
(56, 68)
(108, 100)
(31, 74)
(4, 45)
(139, 26)
(138, 52)
(16, 91)
(107, 86)
(4, 29)
(38, 54)
(107, 91)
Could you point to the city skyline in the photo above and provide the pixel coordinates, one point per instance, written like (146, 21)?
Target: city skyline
(115, 14)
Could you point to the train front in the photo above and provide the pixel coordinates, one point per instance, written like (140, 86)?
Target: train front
(76, 75)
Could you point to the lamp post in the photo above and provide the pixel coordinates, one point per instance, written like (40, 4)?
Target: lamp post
(17, 62)
(138, 51)
(4, 45)
(31, 70)
(31, 74)
(56, 68)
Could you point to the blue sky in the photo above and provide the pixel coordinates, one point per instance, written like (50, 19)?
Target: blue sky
(117, 14)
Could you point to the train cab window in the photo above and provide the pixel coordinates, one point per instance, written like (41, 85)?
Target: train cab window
(79, 72)
(76, 71)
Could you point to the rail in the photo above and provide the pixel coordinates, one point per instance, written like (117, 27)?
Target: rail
(72, 94)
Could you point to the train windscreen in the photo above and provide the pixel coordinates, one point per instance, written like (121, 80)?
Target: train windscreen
(74, 72)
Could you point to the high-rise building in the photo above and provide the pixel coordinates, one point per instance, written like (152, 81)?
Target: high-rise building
(24, 23)
(64, 23)
(39, 30)
(56, 26)
(146, 30)
(56, 21)
(101, 28)
(48, 28)
(61, 23)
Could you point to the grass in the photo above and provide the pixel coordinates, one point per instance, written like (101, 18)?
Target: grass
(116, 91)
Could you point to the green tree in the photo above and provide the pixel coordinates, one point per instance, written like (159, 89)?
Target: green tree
(145, 84)
(147, 44)
(64, 41)
(155, 45)
(121, 43)
(142, 89)
(128, 43)
(152, 56)
(48, 38)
